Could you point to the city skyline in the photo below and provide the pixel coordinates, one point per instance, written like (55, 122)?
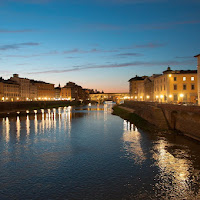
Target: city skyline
(97, 44)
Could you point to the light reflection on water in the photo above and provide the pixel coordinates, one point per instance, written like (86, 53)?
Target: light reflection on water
(87, 153)
(177, 178)
(132, 143)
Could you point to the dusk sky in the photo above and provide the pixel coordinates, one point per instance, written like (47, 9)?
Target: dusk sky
(97, 44)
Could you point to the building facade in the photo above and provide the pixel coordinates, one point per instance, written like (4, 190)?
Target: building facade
(136, 88)
(45, 91)
(9, 90)
(65, 93)
(198, 76)
(24, 86)
(176, 86)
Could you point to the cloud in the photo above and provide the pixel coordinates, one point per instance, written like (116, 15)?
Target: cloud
(121, 65)
(16, 31)
(167, 25)
(34, 55)
(148, 45)
(17, 46)
(28, 1)
(76, 50)
(184, 57)
(128, 54)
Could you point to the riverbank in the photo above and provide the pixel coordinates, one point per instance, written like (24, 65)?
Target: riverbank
(171, 118)
(14, 108)
(128, 114)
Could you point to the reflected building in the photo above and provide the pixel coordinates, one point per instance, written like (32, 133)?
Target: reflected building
(177, 178)
(132, 143)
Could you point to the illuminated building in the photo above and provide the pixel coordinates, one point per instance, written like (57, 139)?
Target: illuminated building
(9, 90)
(45, 91)
(176, 86)
(65, 93)
(24, 86)
(57, 92)
(198, 75)
(136, 88)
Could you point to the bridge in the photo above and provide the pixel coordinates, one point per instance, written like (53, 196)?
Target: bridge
(116, 97)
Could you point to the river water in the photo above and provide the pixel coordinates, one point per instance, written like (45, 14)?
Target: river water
(88, 153)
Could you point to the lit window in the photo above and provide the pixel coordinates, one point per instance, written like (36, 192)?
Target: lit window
(192, 78)
(184, 78)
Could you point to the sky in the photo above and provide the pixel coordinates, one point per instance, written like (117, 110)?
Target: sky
(97, 44)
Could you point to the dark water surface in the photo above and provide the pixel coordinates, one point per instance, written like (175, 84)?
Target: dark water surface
(88, 153)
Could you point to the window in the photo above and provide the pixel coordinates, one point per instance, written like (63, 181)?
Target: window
(184, 78)
(175, 97)
(175, 87)
(175, 78)
(164, 87)
(184, 87)
(192, 87)
(161, 88)
(185, 97)
(192, 78)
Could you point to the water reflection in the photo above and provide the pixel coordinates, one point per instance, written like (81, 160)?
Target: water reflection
(177, 178)
(7, 129)
(65, 150)
(18, 128)
(132, 143)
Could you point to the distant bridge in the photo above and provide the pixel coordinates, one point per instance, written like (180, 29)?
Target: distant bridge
(116, 97)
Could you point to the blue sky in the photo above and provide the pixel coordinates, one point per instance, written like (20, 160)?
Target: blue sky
(98, 44)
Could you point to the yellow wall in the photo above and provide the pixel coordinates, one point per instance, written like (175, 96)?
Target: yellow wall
(164, 88)
(65, 93)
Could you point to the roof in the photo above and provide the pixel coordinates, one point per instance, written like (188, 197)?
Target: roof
(197, 55)
(180, 72)
(138, 78)
(9, 82)
(34, 81)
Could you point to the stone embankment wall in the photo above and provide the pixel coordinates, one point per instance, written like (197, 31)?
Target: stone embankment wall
(185, 119)
(12, 107)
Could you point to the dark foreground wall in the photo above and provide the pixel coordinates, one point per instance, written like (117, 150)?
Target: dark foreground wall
(6, 107)
(185, 119)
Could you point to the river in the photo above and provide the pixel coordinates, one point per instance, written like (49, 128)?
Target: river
(88, 153)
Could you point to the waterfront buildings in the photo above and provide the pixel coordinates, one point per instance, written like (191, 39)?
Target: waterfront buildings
(171, 86)
(45, 91)
(9, 90)
(136, 87)
(24, 86)
(65, 93)
(198, 75)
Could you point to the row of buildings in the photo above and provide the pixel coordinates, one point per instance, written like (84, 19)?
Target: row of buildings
(24, 89)
(170, 86)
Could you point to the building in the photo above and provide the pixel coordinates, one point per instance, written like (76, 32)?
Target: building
(65, 93)
(24, 86)
(45, 91)
(149, 88)
(198, 76)
(76, 91)
(136, 88)
(9, 90)
(57, 92)
(33, 92)
(176, 86)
